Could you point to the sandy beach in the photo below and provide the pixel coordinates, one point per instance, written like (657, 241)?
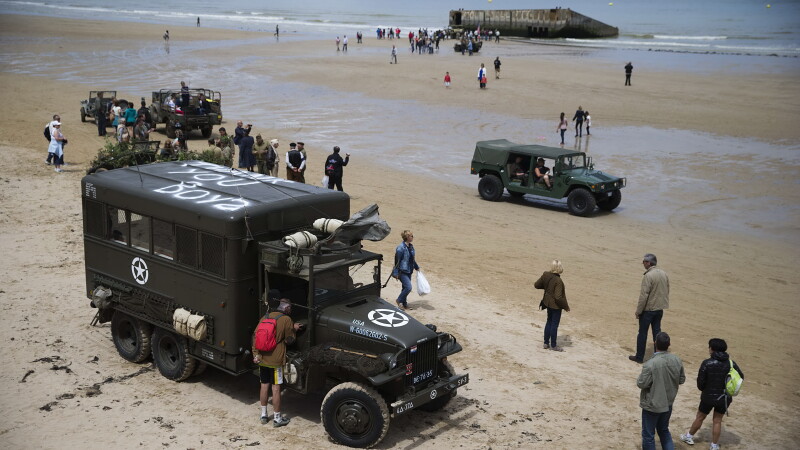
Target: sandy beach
(712, 164)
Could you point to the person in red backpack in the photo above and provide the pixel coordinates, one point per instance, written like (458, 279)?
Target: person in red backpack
(271, 362)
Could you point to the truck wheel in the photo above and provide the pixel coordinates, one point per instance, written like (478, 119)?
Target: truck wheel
(171, 355)
(581, 202)
(491, 188)
(206, 132)
(131, 337)
(445, 369)
(199, 368)
(611, 202)
(171, 130)
(355, 415)
(83, 114)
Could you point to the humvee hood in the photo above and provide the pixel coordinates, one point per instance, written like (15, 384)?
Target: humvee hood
(591, 176)
(374, 318)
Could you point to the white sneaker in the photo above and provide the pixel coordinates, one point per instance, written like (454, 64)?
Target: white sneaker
(687, 438)
(714, 447)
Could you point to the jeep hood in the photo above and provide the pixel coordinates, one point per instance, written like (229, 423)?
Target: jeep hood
(590, 176)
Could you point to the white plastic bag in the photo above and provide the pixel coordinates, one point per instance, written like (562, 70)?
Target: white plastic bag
(423, 287)
(325, 180)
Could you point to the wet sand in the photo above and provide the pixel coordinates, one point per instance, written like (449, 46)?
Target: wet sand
(711, 161)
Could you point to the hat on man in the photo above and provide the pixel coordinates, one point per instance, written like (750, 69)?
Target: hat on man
(300, 143)
(273, 142)
(292, 145)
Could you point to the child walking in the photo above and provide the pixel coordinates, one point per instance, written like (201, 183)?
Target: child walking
(447, 80)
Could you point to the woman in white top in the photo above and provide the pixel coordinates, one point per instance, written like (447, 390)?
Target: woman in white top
(57, 146)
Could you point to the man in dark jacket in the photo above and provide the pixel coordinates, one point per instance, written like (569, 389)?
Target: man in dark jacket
(711, 380)
(334, 168)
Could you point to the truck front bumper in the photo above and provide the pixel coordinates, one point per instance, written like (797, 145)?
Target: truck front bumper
(419, 398)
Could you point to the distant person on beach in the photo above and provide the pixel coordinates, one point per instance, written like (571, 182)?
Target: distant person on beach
(359, 37)
(447, 80)
(393, 57)
(334, 168)
(198, 22)
(337, 43)
(166, 36)
(578, 119)
(260, 150)
(659, 381)
(56, 147)
(482, 77)
(562, 127)
(711, 381)
(554, 300)
(277, 30)
(294, 164)
(143, 111)
(246, 158)
(405, 264)
(301, 147)
(226, 144)
(238, 133)
(273, 158)
(344, 43)
(130, 118)
(653, 300)
(628, 71)
(186, 96)
(497, 35)
(497, 68)
(100, 115)
(142, 130)
(588, 120)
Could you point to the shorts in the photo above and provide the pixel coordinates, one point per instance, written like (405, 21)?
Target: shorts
(270, 375)
(719, 406)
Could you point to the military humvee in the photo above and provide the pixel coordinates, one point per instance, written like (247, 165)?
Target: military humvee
(571, 175)
(180, 257)
(89, 106)
(187, 118)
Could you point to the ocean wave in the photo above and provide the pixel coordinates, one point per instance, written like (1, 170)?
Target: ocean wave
(691, 38)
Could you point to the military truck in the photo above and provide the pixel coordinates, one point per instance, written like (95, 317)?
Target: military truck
(89, 106)
(186, 117)
(180, 258)
(572, 175)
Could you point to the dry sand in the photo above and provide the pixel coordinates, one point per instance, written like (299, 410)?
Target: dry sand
(62, 384)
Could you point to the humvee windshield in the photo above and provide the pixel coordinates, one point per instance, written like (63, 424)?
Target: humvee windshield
(341, 281)
(575, 161)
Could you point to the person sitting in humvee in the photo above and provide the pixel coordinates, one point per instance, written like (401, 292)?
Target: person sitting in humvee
(541, 173)
(519, 170)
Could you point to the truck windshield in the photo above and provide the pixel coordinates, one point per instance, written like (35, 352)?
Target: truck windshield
(341, 280)
(577, 161)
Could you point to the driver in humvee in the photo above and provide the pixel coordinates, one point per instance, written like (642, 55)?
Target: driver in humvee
(541, 173)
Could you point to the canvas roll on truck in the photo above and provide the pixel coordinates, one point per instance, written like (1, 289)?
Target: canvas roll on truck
(180, 257)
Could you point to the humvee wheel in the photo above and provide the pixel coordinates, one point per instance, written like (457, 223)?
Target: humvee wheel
(171, 130)
(445, 369)
(355, 415)
(581, 202)
(199, 368)
(491, 188)
(611, 202)
(207, 132)
(131, 337)
(83, 114)
(171, 355)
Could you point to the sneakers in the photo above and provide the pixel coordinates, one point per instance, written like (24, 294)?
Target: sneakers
(687, 438)
(714, 446)
(546, 346)
(556, 349)
(47, 162)
(59, 170)
(264, 420)
(280, 421)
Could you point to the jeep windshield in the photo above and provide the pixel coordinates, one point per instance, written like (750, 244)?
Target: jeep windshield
(574, 161)
(344, 280)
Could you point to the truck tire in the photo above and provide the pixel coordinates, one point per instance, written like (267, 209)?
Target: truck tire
(581, 202)
(445, 369)
(355, 415)
(83, 114)
(171, 130)
(131, 337)
(199, 368)
(207, 131)
(491, 188)
(171, 355)
(609, 203)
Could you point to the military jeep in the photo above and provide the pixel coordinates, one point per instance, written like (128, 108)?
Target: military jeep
(89, 106)
(186, 117)
(502, 164)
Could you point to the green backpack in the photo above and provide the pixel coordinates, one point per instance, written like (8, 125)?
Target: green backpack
(733, 382)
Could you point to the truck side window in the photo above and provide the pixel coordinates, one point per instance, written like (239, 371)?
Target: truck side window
(212, 254)
(118, 225)
(186, 245)
(163, 239)
(140, 232)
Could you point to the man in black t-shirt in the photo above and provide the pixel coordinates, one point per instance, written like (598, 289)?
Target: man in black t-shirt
(334, 168)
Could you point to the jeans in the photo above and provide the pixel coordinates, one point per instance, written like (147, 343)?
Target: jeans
(645, 320)
(551, 327)
(656, 422)
(579, 128)
(405, 279)
(562, 135)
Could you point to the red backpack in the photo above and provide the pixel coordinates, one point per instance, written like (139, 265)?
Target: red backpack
(266, 334)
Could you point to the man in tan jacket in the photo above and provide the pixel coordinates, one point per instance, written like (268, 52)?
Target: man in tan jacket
(653, 300)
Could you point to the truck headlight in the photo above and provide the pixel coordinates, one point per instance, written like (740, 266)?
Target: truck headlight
(390, 360)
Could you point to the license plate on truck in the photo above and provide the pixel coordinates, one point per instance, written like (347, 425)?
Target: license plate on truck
(426, 395)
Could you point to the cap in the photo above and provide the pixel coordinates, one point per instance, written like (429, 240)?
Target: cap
(292, 145)
(273, 141)
(300, 143)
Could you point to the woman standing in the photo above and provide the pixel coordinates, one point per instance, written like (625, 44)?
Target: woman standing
(57, 146)
(246, 158)
(555, 300)
(562, 127)
(404, 265)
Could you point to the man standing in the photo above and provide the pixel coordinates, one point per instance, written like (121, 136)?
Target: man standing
(271, 363)
(628, 71)
(661, 375)
(405, 264)
(711, 380)
(344, 43)
(301, 147)
(272, 159)
(295, 164)
(239, 132)
(260, 149)
(50, 132)
(393, 58)
(186, 96)
(334, 168)
(653, 300)
(497, 68)
(143, 111)
(100, 114)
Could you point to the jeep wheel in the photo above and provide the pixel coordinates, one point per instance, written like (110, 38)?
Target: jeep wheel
(491, 188)
(171, 355)
(445, 370)
(171, 130)
(609, 203)
(83, 114)
(131, 337)
(355, 415)
(206, 132)
(581, 202)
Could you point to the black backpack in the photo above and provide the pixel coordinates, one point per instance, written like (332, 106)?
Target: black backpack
(47, 132)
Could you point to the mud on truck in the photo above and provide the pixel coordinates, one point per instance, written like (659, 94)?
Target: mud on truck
(180, 257)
